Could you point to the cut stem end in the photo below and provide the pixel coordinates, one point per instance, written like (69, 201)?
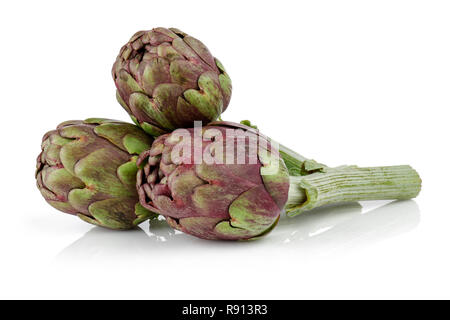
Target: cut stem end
(351, 183)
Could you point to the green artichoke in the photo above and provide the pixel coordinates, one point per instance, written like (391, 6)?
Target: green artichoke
(88, 168)
(237, 190)
(166, 79)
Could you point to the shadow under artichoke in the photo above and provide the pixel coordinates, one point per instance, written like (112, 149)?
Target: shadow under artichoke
(326, 230)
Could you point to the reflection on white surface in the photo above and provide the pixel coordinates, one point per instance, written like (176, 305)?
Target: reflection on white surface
(324, 230)
(343, 227)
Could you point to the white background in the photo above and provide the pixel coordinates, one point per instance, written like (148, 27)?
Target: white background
(343, 82)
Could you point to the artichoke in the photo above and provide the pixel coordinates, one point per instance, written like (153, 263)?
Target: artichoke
(88, 168)
(239, 187)
(166, 79)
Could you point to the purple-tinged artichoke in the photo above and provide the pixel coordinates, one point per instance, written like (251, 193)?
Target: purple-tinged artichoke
(167, 79)
(219, 201)
(88, 168)
(230, 190)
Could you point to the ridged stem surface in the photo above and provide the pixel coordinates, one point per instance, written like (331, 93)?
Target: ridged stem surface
(351, 183)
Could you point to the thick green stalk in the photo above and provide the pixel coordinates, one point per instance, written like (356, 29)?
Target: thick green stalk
(292, 159)
(296, 164)
(351, 183)
(313, 184)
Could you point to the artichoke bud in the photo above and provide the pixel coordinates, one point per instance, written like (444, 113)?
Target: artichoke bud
(231, 196)
(88, 168)
(166, 79)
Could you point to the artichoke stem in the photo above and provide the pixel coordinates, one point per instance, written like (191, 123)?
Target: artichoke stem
(351, 183)
(294, 162)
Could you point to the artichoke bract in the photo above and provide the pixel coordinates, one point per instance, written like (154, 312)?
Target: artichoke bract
(166, 79)
(216, 182)
(212, 201)
(88, 168)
